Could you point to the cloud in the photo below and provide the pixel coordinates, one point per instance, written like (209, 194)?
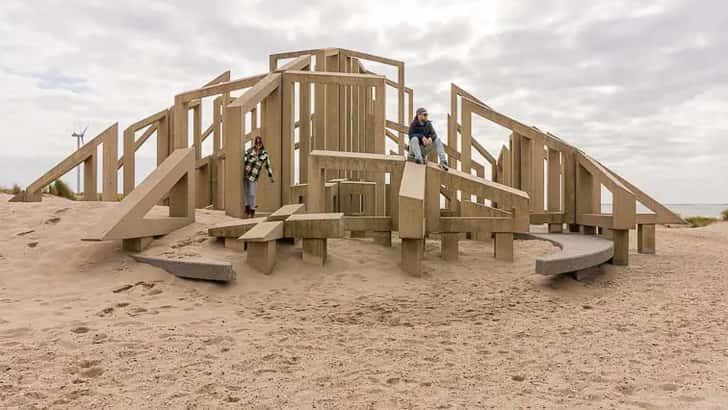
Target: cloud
(643, 88)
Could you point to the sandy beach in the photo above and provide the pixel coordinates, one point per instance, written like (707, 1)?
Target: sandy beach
(84, 326)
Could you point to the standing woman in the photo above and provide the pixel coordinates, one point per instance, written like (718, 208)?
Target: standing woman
(255, 158)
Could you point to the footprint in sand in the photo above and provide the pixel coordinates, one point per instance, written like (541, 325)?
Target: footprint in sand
(80, 330)
(53, 220)
(32, 244)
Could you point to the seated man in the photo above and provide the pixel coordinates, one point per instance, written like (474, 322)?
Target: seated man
(422, 137)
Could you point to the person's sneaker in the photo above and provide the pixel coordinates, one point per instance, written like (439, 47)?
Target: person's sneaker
(419, 161)
(444, 166)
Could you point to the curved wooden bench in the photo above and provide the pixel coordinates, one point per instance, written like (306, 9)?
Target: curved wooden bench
(578, 252)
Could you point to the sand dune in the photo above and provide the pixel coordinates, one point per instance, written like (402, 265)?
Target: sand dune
(83, 325)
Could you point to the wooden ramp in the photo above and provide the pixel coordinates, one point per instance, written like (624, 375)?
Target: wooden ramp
(87, 155)
(127, 220)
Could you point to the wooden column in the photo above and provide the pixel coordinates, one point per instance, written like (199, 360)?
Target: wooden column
(233, 130)
(217, 180)
(270, 195)
(304, 131)
(553, 196)
(129, 160)
(288, 121)
(380, 142)
(646, 238)
(621, 246)
(110, 169)
(89, 178)
(503, 246)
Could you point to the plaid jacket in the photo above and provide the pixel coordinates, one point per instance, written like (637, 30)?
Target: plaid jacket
(254, 162)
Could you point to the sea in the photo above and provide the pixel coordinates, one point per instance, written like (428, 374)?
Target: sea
(684, 210)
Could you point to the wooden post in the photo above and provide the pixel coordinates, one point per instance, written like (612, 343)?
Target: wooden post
(554, 187)
(233, 130)
(288, 121)
(449, 245)
(109, 175)
(380, 142)
(503, 246)
(621, 246)
(314, 251)
(271, 194)
(163, 137)
(217, 180)
(432, 200)
(89, 178)
(412, 254)
(304, 131)
(646, 238)
(129, 160)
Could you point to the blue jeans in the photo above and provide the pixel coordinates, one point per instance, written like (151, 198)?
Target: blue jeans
(249, 187)
(419, 151)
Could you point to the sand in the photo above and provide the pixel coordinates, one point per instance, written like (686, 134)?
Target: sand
(84, 326)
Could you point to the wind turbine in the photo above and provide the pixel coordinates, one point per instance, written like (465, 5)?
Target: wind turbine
(79, 141)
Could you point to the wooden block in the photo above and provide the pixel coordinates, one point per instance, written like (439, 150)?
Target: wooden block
(504, 246)
(323, 225)
(201, 269)
(262, 256)
(136, 244)
(383, 238)
(621, 247)
(449, 246)
(646, 238)
(264, 232)
(412, 202)
(589, 230)
(314, 251)
(412, 254)
(285, 211)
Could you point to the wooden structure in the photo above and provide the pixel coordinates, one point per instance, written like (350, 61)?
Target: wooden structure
(322, 115)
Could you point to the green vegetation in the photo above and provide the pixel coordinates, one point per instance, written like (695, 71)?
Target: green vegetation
(700, 221)
(724, 214)
(14, 190)
(59, 188)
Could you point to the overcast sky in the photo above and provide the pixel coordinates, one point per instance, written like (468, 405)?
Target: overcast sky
(641, 86)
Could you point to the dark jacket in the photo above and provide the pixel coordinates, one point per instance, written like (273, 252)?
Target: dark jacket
(422, 130)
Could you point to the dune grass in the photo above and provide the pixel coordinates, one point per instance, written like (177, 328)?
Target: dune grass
(724, 214)
(700, 221)
(14, 190)
(60, 188)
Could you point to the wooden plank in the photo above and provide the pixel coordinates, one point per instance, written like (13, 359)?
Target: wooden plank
(368, 223)
(476, 224)
(357, 161)
(264, 232)
(285, 211)
(334, 78)
(318, 225)
(220, 88)
(127, 219)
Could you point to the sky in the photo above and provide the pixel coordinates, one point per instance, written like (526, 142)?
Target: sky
(640, 86)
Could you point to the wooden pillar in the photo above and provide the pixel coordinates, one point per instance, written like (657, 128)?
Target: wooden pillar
(217, 169)
(288, 121)
(646, 238)
(432, 200)
(466, 135)
(569, 180)
(182, 197)
(233, 129)
(537, 177)
(315, 190)
(553, 196)
(163, 137)
(380, 142)
(621, 246)
(314, 251)
(110, 168)
(412, 254)
(503, 246)
(197, 129)
(515, 142)
(319, 120)
(304, 131)
(89, 178)
(181, 124)
(129, 160)
(270, 195)
(449, 245)
(400, 106)
(261, 256)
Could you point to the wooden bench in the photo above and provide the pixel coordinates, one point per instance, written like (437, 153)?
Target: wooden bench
(230, 232)
(261, 241)
(377, 227)
(314, 230)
